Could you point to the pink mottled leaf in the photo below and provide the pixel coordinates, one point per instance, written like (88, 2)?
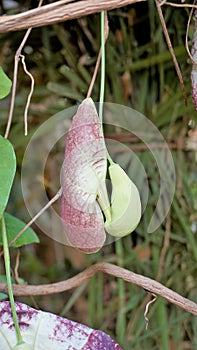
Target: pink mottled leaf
(83, 177)
(46, 331)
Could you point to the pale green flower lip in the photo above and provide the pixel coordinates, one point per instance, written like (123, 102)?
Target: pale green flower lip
(125, 204)
(103, 200)
(22, 346)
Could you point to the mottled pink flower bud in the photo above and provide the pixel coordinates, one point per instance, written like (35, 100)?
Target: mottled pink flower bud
(83, 174)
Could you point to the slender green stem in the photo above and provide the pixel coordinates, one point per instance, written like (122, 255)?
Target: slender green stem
(102, 85)
(9, 283)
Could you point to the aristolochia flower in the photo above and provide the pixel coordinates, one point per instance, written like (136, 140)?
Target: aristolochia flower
(83, 180)
(84, 194)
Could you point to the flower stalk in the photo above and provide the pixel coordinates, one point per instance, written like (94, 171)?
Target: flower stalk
(9, 282)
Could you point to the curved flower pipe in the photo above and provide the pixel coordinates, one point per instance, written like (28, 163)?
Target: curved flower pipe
(83, 181)
(84, 193)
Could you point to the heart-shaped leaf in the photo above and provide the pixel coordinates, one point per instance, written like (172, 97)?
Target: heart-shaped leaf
(5, 84)
(13, 227)
(7, 171)
(83, 180)
(45, 331)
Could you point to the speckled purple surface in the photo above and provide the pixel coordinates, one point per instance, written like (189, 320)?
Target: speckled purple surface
(100, 341)
(46, 331)
(84, 168)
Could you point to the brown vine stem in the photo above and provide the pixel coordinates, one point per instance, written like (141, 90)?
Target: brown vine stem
(59, 11)
(148, 284)
(170, 47)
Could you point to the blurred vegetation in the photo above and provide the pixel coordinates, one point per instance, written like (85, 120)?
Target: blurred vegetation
(140, 74)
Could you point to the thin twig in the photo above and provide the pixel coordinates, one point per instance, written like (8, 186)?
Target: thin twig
(13, 94)
(98, 59)
(147, 309)
(186, 37)
(30, 93)
(54, 199)
(16, 62)
(94, 75)
(146, 283)
(162, 2)
(16, 276)
(136, 315)
(178, 5)
(170, 47)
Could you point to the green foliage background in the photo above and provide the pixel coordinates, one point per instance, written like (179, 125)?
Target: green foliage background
(139, 74)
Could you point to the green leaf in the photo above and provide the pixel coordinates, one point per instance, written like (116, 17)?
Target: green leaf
(13, 227)
(5, 84)
(4, 279)
(3, 296)
(7, 171)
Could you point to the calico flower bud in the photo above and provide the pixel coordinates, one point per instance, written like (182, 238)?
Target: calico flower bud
(83, 181)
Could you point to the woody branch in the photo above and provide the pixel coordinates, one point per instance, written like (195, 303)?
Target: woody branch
(59, 11)
(147, 283)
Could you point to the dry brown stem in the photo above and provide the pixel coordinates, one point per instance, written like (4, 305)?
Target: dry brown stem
(59, 11)
(16, 63)
(147, 283)
(173, 4)
(170, 48)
